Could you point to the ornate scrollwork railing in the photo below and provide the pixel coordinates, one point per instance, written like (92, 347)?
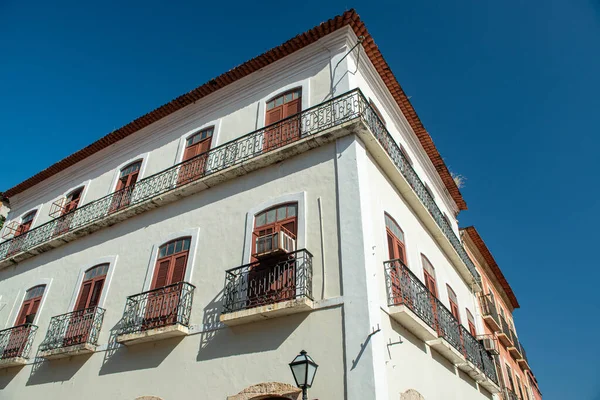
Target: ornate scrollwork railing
(168, 305)
(268, 281)
(16, 342)
(334, 112)
(74, 328)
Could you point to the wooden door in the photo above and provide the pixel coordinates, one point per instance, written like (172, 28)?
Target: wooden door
(396, 251)
(273, 279)
(195, 156)
(82, 318)
(279, 108)
(19, 335)
(63, 224)
(162, 303)
(21, 233)
(125, 186)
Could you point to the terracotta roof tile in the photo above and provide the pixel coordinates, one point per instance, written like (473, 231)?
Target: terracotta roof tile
(349, 18)
(489, 259)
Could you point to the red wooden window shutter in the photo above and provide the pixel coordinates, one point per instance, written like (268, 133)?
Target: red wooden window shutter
(31, 304)
(83, 296)
(274, 115)
(180, 263)
(162, 275)
(171, 263)
(395, 239)
(23, 313)
(453, 303)
(190, 152)
(96, 292)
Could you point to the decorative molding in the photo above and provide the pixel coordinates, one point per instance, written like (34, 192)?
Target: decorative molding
(263, 390)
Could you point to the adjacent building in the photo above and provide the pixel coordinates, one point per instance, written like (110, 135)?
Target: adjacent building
(294, 202)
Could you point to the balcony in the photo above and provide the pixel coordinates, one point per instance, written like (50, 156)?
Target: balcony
(515, 347)
(522, 361)
(268, 288)
(410, 302)
(157, 314)
(313, 127)
(416, 308)
(72, 334)
(490, 314)
(504, 334)
(15, 345)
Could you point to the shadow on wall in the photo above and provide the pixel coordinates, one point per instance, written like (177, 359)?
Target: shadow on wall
(7, 375)
(443, 361)
(46, 371)
(119, 358)
(220, 341)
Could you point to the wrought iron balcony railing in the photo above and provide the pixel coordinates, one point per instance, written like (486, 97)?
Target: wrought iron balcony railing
(404, 288)
(168, 305)
(16, 342)
(74, 328)
(341, 109)
(489, 308)
(505, 328)
(268, 281)
(523, 352)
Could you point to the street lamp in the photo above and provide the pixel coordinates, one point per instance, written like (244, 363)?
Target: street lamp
(304, 369)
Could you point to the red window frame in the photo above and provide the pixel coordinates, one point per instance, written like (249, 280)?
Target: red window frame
(453, 300)
(429, 280)
(72, 200)
(26, 223)
(128, 177)
(195, 155)
(471, 321)
(395, 239)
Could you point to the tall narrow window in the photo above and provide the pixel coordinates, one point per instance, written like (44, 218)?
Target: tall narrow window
(519, 386)
(166, 287)
(453, 303)
(429, 274)
(63, 224)
(395, 239)
(272, 276)
(279, 108)
(82, 318)
(471, 321)
(127, 179)
(19, 335)
(510, 383)
(20, 233)
(195, 155)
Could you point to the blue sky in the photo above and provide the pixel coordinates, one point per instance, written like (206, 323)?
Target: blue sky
(508, 90)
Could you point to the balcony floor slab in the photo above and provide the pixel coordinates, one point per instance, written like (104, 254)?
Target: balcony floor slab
(151, 335)
(69, 351)
(407, 318)
(274, 310)
(489, 385)
(13, 362)
(442, 346)
(495, 326)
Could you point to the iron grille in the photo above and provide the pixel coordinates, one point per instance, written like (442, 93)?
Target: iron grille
(505, 328)
(404, 288)
(509, 394)
(268, 281)
(16, 342)
(341, 109)
(168, 305)
(489, 308)
(74, 328)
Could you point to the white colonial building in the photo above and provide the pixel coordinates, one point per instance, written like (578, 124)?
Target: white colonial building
(294, 202)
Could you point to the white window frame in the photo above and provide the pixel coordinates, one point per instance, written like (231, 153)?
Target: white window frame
(299, 198)
(303, 84)
(216, 124)
(112, 263)
(19, 219)
(144, 157)
(21, 297)
(194, 233)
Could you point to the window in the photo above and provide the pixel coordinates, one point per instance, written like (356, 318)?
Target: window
(429, 273)
(471, 321)
(71, 202)
(510, 383)
(91, 287)
(26, 223)
(395, 239)
(519, 386)
(372, 104)
(269, 224)
(278, 108)
(30, 306)
(453, 303)
(127, 179)
(196, 151)
(171, 263)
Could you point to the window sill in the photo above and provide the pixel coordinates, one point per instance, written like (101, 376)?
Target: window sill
(13, 362)
(70, 351)
(152, 335)
(283, 308)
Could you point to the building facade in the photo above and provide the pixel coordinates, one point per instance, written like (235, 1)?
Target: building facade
(497, 304)
(294, 202)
